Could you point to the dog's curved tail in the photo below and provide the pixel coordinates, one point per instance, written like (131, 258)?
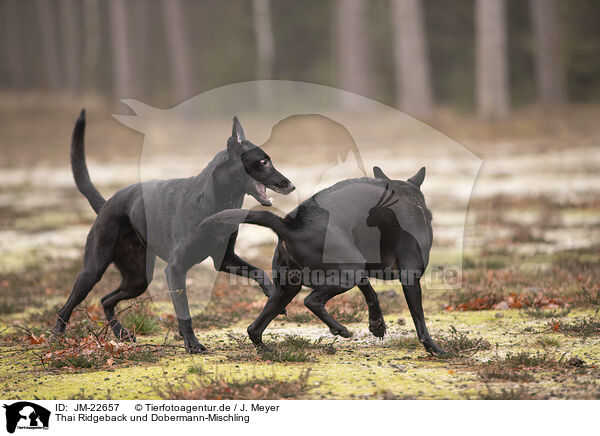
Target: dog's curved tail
(259, 217)
(79, 167)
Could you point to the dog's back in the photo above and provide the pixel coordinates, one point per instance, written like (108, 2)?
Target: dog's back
(322, 229)
(350, 202)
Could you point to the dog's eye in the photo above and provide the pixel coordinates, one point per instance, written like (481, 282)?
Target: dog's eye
(264, 162)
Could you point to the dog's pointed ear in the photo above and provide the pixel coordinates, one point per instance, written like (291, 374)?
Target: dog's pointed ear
(234, 144)
(234, 148)
(418, 178)
(379, 174)
(237, 132)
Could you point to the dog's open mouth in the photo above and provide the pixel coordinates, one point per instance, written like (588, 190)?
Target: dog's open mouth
(260, 193)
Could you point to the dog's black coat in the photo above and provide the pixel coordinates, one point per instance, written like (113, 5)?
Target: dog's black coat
(161, 218)
(395, 208)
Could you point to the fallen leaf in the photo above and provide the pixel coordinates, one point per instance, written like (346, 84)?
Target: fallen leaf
(35, 340)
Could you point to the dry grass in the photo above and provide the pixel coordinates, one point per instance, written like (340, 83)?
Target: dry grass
(584, 327)
(497, 371)
(290, 348)
(517, 393)
(568, 278)
(460, 345)
(203, 386)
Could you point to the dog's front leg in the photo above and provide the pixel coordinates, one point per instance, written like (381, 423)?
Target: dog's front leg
(176, 279)
(233, 264)
(413, 294)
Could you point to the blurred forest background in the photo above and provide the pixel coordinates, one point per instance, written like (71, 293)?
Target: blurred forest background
(481, 56)
(517, 82)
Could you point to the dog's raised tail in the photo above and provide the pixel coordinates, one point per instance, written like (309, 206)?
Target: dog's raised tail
(238, 216)
(79, 167)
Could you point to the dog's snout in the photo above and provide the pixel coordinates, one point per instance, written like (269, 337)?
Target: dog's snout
(286, 186)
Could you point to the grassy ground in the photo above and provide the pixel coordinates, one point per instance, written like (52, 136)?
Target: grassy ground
(544, 345)
(525, 323)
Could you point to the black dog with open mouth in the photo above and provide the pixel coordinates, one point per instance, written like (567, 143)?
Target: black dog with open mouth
(161, 218)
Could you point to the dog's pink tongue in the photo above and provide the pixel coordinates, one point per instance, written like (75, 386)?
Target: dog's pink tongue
(261, 191)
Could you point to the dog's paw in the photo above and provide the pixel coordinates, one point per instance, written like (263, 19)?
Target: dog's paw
(433, 349)
(343, 332)
(58, 330)
(377, 327)
(193, 346)
(125, 335)
(255, 336)
(196, 349)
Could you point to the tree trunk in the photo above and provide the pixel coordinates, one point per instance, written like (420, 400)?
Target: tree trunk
(50, 54)
(14, 47)
(413, 83)
(352, 47)
(492, 63)
(141, 40)
(92, 46)
(70, 43)
(177, 46)
(121, 57)
(549, 73)
(265, 45)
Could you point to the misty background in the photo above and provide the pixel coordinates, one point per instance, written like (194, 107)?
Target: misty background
(477, 56)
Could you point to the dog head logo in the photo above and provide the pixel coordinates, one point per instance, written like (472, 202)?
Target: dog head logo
(26, 415)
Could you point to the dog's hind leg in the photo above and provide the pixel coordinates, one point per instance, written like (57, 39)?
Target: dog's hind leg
(130, 259)
(316, 301)
(287, 284)
(276, 304)
(129, 288)
(99, 250)
(376, 322)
